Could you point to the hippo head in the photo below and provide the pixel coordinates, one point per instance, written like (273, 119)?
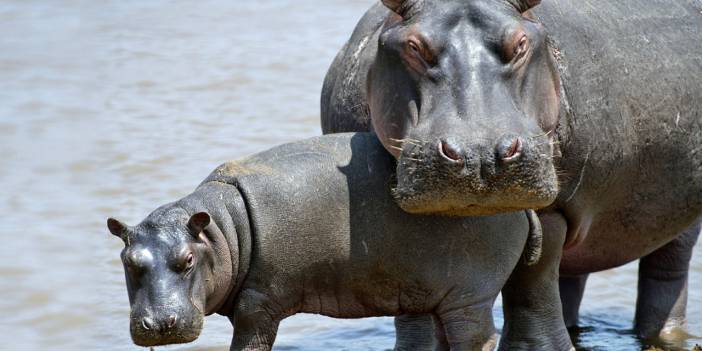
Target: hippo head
(169, 261)
(465, 94)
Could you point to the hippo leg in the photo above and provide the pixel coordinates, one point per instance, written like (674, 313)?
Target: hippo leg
(662, 295)
(531, 301)
(572, 289)
(414, 332)
(469, 328)
(441, 343)
(255, 327)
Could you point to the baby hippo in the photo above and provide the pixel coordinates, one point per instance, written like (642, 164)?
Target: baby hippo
(312, 227)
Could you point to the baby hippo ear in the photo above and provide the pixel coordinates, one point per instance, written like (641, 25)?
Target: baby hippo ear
(198, 222)
(117, 228)
(524, 5)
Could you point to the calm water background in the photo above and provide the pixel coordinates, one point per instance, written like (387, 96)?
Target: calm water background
(111, 108)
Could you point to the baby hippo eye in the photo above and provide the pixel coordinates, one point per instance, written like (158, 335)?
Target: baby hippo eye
(135, 264)
(414, 47)
(133, 269)
(189, 261)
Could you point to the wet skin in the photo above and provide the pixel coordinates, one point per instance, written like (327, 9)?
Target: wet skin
(258, 241)
(624, 135)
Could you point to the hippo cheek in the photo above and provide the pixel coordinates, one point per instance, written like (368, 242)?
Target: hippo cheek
(445, 178)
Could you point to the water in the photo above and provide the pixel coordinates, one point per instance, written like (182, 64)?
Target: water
(112, 108)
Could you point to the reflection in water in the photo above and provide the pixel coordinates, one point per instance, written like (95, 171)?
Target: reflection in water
(112, 108)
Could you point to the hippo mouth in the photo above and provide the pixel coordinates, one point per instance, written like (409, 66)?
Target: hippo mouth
(427, 184)
(180, 332)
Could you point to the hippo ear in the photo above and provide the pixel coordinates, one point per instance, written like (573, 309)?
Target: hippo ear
(198, 222)
(117, 228)
(524, 5)
(394, 5)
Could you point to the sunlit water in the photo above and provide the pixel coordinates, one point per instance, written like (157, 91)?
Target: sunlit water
(111, 108)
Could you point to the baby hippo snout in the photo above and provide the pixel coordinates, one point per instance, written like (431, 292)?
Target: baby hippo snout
(164, 325)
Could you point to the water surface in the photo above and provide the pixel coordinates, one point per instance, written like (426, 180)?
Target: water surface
(112, 108)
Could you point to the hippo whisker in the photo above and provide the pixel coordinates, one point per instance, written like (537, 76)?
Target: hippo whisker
(407, 140)
(542, 135)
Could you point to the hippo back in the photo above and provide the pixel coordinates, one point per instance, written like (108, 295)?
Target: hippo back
(346, 79)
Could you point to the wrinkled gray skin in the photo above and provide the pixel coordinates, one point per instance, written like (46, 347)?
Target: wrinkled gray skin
(625, 138)
(312, 227)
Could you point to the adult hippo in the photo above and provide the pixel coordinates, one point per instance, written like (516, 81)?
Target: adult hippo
(258, 241)
(589, 111)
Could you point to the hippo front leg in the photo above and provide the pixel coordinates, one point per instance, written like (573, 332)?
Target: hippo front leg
(255, 325)
(531, 299)
(662, 295)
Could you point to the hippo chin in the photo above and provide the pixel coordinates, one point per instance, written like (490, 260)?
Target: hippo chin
(574, 108)
(258, 242)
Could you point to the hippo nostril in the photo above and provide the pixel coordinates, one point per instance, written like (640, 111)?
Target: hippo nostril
(147, 323)
(449, 152)
(513, 151)
(172, 319)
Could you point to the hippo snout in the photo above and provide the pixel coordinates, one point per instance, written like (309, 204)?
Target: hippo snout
(475, 176)
(166, 324)
(507, 150)
(167, 328)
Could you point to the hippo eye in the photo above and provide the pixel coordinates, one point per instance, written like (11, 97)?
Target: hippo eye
(414, 47)
(189, 260)
(521, 48)
(133, 267)
(420, 51)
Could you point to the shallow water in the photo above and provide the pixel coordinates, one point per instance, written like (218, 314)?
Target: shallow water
(111, 108)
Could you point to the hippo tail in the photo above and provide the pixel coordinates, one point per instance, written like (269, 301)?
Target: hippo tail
(532, 251)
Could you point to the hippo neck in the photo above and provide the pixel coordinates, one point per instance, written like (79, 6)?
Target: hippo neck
(225, 204)
(238, 239)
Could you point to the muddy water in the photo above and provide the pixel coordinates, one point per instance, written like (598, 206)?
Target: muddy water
(111, 109)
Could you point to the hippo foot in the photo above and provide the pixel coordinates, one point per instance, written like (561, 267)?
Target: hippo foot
(663, 285)
(537, 342)
(674, 330)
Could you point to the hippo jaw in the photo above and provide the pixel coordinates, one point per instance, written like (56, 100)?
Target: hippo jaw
(466, 96)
